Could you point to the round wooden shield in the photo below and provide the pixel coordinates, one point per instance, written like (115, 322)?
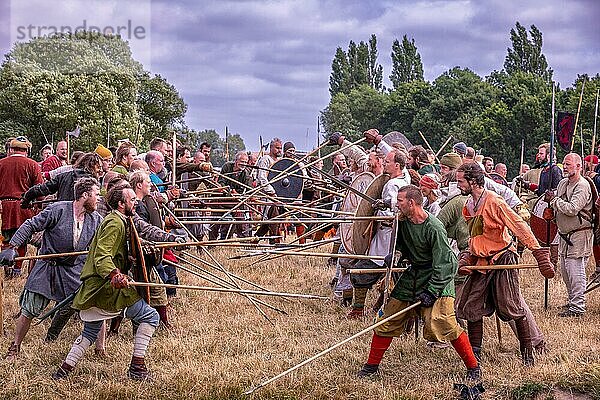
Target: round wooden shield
(397, 137)
(362, 231)
(350, 204)
(290, 187)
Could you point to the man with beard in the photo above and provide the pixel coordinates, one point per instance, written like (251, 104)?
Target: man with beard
(68, 226)
(148, 209)
(19, 173)
(375, 162)
(418, 160)
(264, 163)
(88, 166)
(489, 220)
(124, 156)
(541, 177)
(429, 279)
(572, 205)
(354, 157)
(488, 164)
(380, 244)
(239, 180)
(57, 160)
(105, 291)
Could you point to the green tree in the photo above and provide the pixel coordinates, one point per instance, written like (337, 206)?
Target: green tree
(160, 106)
(375, 69)
(402, 106)
(56, 83)
(337, 116)
(453, 94)
(406, 62)
(358, 66)
(339, 80)
(526, 54)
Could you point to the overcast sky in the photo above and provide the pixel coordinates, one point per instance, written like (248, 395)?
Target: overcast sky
(262, 67)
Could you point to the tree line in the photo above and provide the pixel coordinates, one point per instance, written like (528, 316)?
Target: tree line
(492, 114)
(50, 85)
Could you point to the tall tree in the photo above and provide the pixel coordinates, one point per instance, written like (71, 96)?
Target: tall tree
(375, 69)
(339, 80)
(406, 62)
(358, 66)
(526, 54)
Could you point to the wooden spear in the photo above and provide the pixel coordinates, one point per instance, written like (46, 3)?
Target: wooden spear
(335, 346)
(217, 280)
(159, 246)
(355, 271)
(174, 155)
(577, 117)
(227, 290)
(595, 120)
(428, 145)
(312, 254)
(501, 266)
(443, 146)
(297, 221)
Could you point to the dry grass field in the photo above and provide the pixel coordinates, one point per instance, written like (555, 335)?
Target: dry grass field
(225, 347)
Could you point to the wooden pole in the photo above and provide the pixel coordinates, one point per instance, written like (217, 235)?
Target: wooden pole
(227, 290)
(501, 266)
(335, 346)
(428, 145)
(355, 271)
(174, 177)
(444, 145)
(595, 120)
(312, 254)
(1, 301)
(577, 117)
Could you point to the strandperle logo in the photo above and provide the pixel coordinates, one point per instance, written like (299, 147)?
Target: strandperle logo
(127, 31)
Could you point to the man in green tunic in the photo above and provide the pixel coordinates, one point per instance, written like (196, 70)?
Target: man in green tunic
(429, 279)
(105, 291)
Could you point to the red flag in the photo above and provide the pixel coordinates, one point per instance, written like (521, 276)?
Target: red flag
(565, 128)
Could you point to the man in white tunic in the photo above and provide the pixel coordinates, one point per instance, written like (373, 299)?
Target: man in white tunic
(393, 165)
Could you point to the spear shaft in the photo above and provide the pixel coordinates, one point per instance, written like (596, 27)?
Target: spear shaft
(335, 346)
(227, 290)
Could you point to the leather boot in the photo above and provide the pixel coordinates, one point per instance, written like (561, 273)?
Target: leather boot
(137, 369)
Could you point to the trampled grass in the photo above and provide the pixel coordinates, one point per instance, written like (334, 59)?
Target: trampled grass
(224, 346)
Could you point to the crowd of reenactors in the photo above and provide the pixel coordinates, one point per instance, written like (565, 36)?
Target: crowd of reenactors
(453, 223)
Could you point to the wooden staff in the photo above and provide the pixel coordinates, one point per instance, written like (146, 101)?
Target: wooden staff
(595, 120)
(521, 164)
(46, 256)
(444, 145)
(428, 145)
(217, 280)
(298, 221)
(335, 346)
(311, 254)
(227, 290)
(158, 246)
(501, 266)
(174, 177)
(1, 302)
(577, 117)
(355, 271)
